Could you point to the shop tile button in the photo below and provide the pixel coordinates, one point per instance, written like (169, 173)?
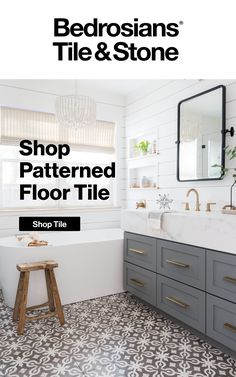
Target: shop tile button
(42, 223)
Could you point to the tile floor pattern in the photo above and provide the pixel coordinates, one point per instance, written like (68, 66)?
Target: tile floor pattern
(111, 336)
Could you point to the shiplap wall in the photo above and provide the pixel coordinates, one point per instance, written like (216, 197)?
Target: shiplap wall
(155, 109)
(34, 95)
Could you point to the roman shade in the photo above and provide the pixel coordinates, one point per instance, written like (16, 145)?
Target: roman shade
(17, 124)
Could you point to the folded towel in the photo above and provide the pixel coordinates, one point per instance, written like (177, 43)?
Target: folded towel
(155, 221)
(155, 214)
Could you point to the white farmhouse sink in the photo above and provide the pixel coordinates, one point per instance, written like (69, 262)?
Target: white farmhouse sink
(209, 230)
(134, 221)
(138, 221)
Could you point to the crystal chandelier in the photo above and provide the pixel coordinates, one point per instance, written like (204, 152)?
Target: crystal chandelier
(75, 111)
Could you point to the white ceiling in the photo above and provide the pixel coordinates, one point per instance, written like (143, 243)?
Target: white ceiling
(106, 87)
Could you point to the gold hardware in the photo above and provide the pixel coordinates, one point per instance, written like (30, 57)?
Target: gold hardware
(176, 263)
(230, 279)
(177, 302)
(137, 282)
(197, 208)
(141, 204)
(186, 208)
(137, 251)
(229, 206)
(208, 206)
(230, 327)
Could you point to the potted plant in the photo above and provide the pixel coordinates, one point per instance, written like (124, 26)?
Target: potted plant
(231, 154)
(143, 146)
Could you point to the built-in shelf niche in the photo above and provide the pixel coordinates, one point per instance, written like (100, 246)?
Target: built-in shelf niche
(143, 167)
(142, 178)
(134, 152)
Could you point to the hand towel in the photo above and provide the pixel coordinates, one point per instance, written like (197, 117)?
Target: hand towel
(155, 221)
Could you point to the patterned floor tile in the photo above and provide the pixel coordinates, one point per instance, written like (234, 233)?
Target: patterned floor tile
(113, 336)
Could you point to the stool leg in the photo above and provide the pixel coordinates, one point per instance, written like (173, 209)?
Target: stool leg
(23, 303)
(18, 297)
(49, 291)
(56, 296)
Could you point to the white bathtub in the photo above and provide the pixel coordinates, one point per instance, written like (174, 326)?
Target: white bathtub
(90, 265)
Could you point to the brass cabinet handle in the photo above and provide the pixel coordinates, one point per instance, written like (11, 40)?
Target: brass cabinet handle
(176, 263)
(137, 251)
(177, 302)
(230, 279)
(230, 327)
(137, 282)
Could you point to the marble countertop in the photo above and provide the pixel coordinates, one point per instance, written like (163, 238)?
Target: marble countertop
(213, 230)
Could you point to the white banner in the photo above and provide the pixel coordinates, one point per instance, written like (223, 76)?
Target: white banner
(205, 43)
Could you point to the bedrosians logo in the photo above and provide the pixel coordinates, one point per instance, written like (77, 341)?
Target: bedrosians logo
(71, 50)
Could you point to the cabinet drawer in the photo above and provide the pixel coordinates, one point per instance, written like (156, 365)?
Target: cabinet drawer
(140, 250)
(140, 282)
(181, 262)
(221, 321)
(221, 275)
(182, 302)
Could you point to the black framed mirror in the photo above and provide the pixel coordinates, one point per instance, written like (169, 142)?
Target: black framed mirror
(201, 135)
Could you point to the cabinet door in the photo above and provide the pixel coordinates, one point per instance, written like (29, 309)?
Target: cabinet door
(221, 274)
(221, 321)
(140, 250)
(182, 302)
(140, 282)
(181, 262)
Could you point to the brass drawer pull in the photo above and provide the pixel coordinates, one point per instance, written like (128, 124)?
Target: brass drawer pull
(230, 327)
(176, 263)
(177, 302)
(230, 279)
(137, 282)
(137, 251)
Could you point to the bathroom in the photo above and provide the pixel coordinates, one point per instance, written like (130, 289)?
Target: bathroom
(113, 325)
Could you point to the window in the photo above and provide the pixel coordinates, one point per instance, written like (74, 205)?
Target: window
(90, 146)
(189, 163)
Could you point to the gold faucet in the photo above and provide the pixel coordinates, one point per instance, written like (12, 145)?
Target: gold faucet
(141, 204)
(208, 206)
(197, 208)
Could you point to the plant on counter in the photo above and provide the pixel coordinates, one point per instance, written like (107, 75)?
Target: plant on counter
(143, 146)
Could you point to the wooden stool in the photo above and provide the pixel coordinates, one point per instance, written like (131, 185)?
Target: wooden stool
(54, 302)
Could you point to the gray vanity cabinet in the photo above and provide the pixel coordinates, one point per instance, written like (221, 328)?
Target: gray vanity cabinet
(194, 285)
(181, 262)
(221, 275)
(140, 282)
(221, 321)
(140, 266)
(182, 302)
(140, 250)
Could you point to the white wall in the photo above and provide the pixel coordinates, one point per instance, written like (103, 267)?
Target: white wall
(40, 95)
(155, 109)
